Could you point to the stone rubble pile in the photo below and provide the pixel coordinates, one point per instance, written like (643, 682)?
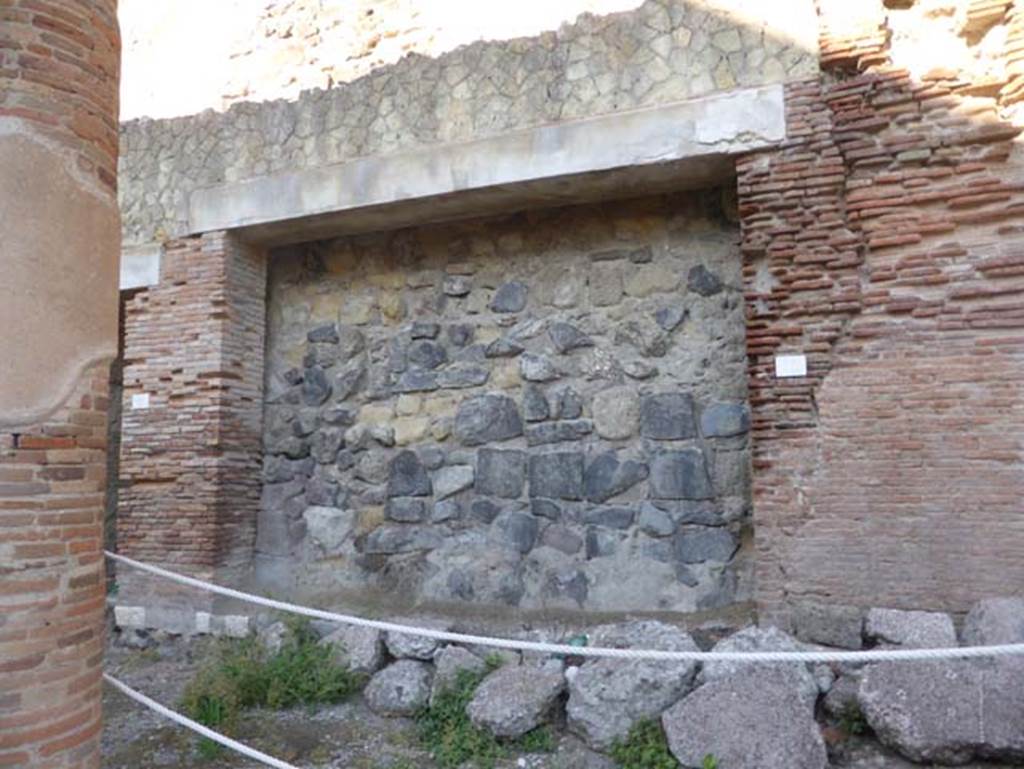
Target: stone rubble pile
(747, 715)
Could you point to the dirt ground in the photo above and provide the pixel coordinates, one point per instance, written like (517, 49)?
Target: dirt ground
(345, 736)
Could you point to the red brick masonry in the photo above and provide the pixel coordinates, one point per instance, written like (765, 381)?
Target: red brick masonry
(52, 592)
(190, 462)
(886, 241)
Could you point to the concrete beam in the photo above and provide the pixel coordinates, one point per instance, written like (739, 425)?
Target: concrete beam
(675, 146)
(140, 265)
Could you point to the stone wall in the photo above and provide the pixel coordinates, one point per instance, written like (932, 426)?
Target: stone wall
(544, 410)
(663, 51)
(884, 243)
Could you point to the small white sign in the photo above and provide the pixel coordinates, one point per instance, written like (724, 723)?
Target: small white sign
(790, 365)
(140, 401)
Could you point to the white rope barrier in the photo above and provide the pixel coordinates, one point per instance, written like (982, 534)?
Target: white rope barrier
(870, 655)
(188, 723)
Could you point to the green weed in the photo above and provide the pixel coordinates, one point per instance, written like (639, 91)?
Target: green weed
(645, 747)
(539, 740)
(451, 738)
(243, 675)
(851, 720)
(446, 731)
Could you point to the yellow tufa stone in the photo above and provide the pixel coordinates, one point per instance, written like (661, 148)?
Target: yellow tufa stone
(369, 519)
(440, 405)
(409, 405)
(506, 375)
(392, 307)
(410, 430)
(356, 310)
(376, 413)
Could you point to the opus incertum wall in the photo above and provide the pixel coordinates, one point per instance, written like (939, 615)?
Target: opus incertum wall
(59, 244)
(545, 410)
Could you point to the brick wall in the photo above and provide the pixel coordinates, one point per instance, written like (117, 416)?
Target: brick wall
(884, 241)
(190, 462)
(51, 587)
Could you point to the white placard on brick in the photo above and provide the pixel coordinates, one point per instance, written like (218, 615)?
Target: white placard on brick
(790, 365)
(140, 401)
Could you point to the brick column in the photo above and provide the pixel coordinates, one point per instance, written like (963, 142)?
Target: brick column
(191, 440)
(58, 311)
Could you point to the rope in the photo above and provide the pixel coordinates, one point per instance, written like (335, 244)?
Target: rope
(188, 723)
(870, 655)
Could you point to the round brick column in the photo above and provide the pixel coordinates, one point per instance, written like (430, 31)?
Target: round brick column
(60, 231)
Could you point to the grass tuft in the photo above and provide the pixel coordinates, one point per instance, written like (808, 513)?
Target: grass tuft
(243, 675)
(451, 738)
(645, 747)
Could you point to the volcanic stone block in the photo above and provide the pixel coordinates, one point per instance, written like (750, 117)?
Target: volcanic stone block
(537, 368)
(500, 473)
(545, 508)
(510, 297)
(461, 334)
(315, 387)
(415, 381)
(566, 337)
(515, 699)
(680, 475)
(503, 348)
(486, 419)
(424, 330)
(667, 416)
(607, 697)
(610, 517)
(670, 317)
(327, 333)
(569, 405)
(558, 432)
(606, 476)
(406, 509)
(723, 420)
(401, 538)
(408, 477)
(451, 480)
(426, 354)
(558, 475)
(520, 530)
(484, 510)
(702, 281)
(562, 539)
(535, 405)
(602, 542)
(700, 545)
(460, 376)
